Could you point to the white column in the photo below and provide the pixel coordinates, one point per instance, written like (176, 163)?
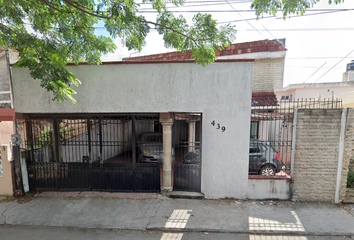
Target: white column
(167, 153)
(191, 136)
(340, 155)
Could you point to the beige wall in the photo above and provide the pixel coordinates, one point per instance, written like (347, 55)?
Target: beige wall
(6, 177)
(316, 154)
(6, 129)
(268, 74)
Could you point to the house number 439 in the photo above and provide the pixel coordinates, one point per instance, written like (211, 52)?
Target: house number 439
(217, 125)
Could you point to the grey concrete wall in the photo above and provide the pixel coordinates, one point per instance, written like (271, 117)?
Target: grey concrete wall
(221, 91)
(268, 189)
(316, 154)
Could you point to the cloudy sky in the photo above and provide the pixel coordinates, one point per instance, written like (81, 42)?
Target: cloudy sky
(319, 44)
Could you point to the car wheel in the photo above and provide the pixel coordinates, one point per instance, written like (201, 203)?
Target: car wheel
(267, 170)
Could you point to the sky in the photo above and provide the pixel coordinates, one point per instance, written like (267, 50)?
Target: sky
(320, 43)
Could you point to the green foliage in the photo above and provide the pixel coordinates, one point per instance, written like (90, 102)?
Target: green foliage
(286, 6)
(46, 137)
(350, 179)
(48, 34)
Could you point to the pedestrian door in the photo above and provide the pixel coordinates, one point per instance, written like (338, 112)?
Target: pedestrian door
(187, 152)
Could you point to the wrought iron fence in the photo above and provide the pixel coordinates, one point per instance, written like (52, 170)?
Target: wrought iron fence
(272, 130)
(93, 152)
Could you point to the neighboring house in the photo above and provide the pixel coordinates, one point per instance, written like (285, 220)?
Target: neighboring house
(333, 90)
(6, 105)
(6, 120)
(268, 65)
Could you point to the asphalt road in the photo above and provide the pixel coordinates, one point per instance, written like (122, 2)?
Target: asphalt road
(62, 233)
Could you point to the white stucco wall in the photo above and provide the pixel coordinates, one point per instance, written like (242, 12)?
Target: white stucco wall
(221, 91)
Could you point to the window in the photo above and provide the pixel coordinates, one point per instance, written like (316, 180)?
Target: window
(254, 149)
(254, 130)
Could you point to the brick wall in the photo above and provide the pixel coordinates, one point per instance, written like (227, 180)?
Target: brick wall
(316, 154)
(268, 74)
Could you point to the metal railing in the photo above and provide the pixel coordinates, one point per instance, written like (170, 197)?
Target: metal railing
(272, 130)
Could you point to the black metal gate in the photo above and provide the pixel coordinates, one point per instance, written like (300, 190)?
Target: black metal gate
(90, 152)
(187, 147)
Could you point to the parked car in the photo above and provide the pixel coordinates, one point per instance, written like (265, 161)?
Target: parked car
(264, 159)
(150, 147)
(192, 157)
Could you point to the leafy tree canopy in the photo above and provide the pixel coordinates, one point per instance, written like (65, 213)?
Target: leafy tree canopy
(286, 6)
(48, 34)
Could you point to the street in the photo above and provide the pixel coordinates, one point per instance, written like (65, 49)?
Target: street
(12, 232)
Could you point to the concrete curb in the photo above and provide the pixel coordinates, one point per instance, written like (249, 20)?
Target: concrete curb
(257, 232)
(191, 230)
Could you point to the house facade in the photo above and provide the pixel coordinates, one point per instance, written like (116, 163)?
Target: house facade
(213, 102)
(335, 90)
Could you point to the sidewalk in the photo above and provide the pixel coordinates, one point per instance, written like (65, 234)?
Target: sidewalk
(156, 212)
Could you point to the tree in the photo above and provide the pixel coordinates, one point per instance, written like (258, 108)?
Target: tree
(48, 34)
(286, 6)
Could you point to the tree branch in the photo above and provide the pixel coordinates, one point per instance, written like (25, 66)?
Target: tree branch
(49, 4)
(76, 21)
(75, 6)
(24, 39)
(85, 11)
(55, 16)
(169, 28)
(71, 3)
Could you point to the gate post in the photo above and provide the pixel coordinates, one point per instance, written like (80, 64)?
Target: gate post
(166, 122)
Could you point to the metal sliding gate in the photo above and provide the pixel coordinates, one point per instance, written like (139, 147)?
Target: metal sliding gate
(187, 148)
(90, 152)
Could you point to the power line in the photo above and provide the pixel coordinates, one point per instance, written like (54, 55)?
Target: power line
(301, 58)
(277, 18)
(310, 67)
(240, 10)
(246, 20)
(314, 72)
(335, 65)
(301, 29)
(198, 5)
(211, 1)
